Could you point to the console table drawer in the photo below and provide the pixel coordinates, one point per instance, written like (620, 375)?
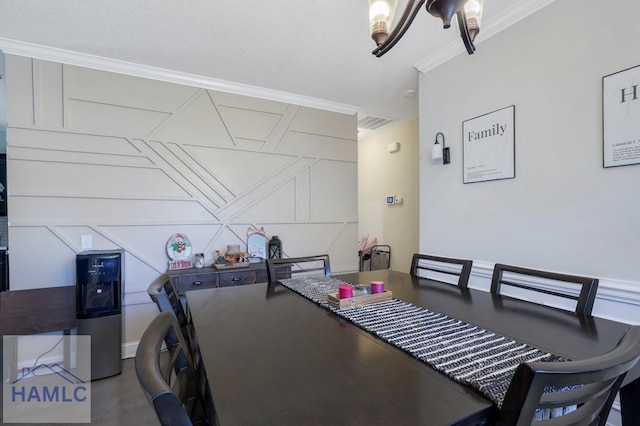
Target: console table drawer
(209, 277)
(236, 278)
(195, 282)
(261, 276)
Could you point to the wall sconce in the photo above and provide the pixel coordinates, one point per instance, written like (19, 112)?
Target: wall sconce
(440, 151)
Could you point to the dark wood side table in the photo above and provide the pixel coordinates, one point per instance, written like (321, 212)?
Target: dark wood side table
(210, 277)
(37, 311)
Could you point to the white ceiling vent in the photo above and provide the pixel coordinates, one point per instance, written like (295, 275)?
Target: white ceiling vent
(371, 122)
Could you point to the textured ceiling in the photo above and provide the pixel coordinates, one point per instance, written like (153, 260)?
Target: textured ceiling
(317, 49)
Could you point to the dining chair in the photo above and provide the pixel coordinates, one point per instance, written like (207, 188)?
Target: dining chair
(288, 267)
(165, 296)
(587, 386)
(168, 378)
(426, 264)
(580, 289)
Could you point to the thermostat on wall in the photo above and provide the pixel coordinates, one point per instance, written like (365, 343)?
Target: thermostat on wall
(393, 199)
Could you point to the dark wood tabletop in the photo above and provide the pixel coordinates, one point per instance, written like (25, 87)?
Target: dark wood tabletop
(273, 357)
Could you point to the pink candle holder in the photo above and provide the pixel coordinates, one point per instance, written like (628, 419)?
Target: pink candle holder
(377, 287)
(345, 291)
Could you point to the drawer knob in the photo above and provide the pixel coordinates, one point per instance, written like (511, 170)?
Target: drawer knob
(196, 283)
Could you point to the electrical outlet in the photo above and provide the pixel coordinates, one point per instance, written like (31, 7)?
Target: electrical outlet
(85, 241)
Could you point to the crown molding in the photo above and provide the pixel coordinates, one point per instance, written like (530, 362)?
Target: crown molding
(68, 57)
(502, 21)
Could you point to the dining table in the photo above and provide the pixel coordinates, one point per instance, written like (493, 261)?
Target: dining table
(274, 357)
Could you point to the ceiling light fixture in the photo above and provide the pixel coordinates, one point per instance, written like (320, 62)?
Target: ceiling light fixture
(381, 13)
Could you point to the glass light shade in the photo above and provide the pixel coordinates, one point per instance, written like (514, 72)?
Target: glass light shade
(381, 14)
(436, 151)
(473, 11)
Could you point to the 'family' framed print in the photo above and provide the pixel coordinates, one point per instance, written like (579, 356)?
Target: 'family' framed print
(488, 146)
(621, 118)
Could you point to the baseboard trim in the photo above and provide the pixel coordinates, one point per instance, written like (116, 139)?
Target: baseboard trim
(608, 289)
(129, 349)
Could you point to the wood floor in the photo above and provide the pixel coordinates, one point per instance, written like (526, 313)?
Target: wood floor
(119, 401)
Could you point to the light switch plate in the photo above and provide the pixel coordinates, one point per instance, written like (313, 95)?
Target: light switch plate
(85, 241)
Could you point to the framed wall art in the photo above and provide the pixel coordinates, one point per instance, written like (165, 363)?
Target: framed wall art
(488, 146)
(621, 118)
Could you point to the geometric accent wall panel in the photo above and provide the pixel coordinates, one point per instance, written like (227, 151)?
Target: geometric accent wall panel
(333, 124)
(306, 239)
(262, 126)
(303, 195)
(72, 210)
(238, 170)
(276, 205)
(250, 144)
(337, 204)
(70, 234)
(131, 161)
(100, 119)
(44, 261)
(197, 122)
(224, 99)
(89, 85)
(70, 143)
(342, 248)
(318, 146)
(60, 156)
(94, 181)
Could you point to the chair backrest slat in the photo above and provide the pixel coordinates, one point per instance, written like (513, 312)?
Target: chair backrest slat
(288, 267)
(587, 386)
(170, 379)
(421, 263)
(586, 287)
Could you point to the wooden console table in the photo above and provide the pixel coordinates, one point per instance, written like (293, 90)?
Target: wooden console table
(209, 277)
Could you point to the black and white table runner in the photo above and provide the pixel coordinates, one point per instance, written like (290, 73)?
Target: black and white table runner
(464, 352)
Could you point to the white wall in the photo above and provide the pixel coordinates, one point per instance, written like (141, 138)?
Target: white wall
(381, 173)
(563, 211)
(132, 161)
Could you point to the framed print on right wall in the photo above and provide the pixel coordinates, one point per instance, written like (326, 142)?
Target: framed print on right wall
(488, 146)
(621, 118)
